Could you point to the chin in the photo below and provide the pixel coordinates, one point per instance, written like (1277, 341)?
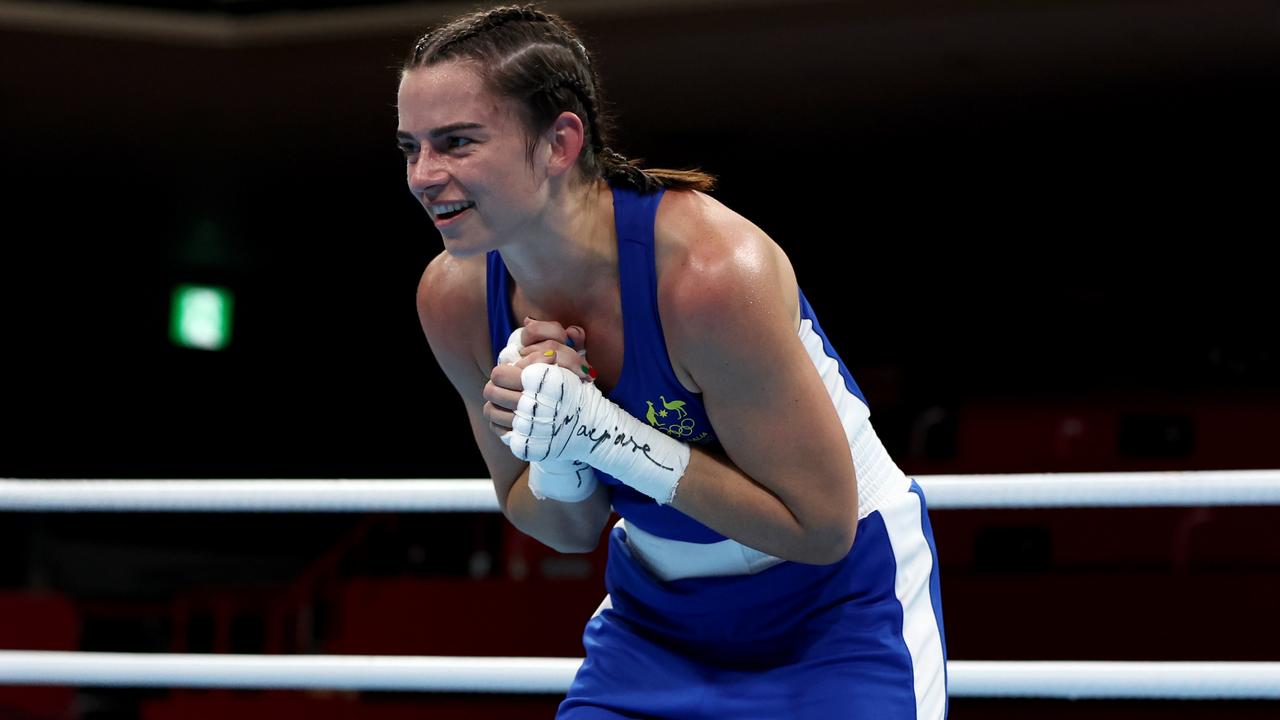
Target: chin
(461, 248)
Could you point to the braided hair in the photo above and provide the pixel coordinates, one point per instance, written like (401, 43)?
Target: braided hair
(536, 59)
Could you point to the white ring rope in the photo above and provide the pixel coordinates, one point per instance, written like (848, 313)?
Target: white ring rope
(1116, 680)
(1191, 488)
(249, 495)
(1039, 679)
(289, 672)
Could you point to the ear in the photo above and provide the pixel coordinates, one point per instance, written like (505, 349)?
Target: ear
(565, 138)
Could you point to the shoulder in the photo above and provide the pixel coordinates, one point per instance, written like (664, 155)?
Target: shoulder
(450, 284)
(453, 310)
(718, 271)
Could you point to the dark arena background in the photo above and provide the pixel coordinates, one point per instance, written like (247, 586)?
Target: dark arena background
(1041, 235)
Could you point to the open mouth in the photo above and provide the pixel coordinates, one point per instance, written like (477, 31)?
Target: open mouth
(447, 211)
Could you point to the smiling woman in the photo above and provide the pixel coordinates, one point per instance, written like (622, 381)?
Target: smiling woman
(714, 416)
(549, 79)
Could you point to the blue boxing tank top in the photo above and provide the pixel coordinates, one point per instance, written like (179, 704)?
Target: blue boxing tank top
(648, 388)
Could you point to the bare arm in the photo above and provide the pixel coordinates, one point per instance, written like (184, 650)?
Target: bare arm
(786, 485)
(452, 310)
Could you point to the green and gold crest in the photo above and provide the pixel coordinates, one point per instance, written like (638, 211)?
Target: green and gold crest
(673, 419)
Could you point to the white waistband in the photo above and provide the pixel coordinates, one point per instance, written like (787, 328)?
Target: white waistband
(879, 480)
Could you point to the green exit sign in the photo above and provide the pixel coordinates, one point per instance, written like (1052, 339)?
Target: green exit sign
(200, 317)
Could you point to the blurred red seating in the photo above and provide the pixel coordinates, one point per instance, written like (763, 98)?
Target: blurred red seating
(37, 621)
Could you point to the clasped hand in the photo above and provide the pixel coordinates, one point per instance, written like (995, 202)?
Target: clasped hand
(541, 403)
(529, 345)
(548, 344)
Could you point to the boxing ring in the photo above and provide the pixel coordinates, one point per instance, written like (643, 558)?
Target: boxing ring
(987, 679)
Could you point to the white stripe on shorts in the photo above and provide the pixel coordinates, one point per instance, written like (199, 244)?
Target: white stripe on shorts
(920, 632)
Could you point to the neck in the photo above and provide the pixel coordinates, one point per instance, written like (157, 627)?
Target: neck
(573, 247)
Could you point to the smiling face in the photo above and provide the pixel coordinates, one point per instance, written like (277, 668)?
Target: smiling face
(467, 160)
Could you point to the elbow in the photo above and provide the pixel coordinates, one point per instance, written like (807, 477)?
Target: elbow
(568, 538)
(571, 540)
(833, 525)
(829, 544)
(829, 531)
(573, 546)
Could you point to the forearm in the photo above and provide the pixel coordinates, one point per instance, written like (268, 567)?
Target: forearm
(563, 526)
(561, 418)
(718, 494)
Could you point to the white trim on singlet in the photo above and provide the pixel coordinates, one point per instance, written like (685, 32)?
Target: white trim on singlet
(878, 476)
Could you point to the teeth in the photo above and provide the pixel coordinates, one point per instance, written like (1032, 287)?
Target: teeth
(450, 207)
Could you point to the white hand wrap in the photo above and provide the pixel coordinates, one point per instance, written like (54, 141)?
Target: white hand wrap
(562, 418)
(510, 354)
(565, 481)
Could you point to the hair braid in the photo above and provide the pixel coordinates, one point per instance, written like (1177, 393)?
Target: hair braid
(537, 60)
(480, 24)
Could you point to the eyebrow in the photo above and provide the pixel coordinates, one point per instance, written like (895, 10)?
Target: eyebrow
(442, 130)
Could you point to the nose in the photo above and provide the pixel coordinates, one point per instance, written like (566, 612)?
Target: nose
(427, 174)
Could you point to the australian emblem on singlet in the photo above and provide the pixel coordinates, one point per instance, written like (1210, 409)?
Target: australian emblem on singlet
(673, 419)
